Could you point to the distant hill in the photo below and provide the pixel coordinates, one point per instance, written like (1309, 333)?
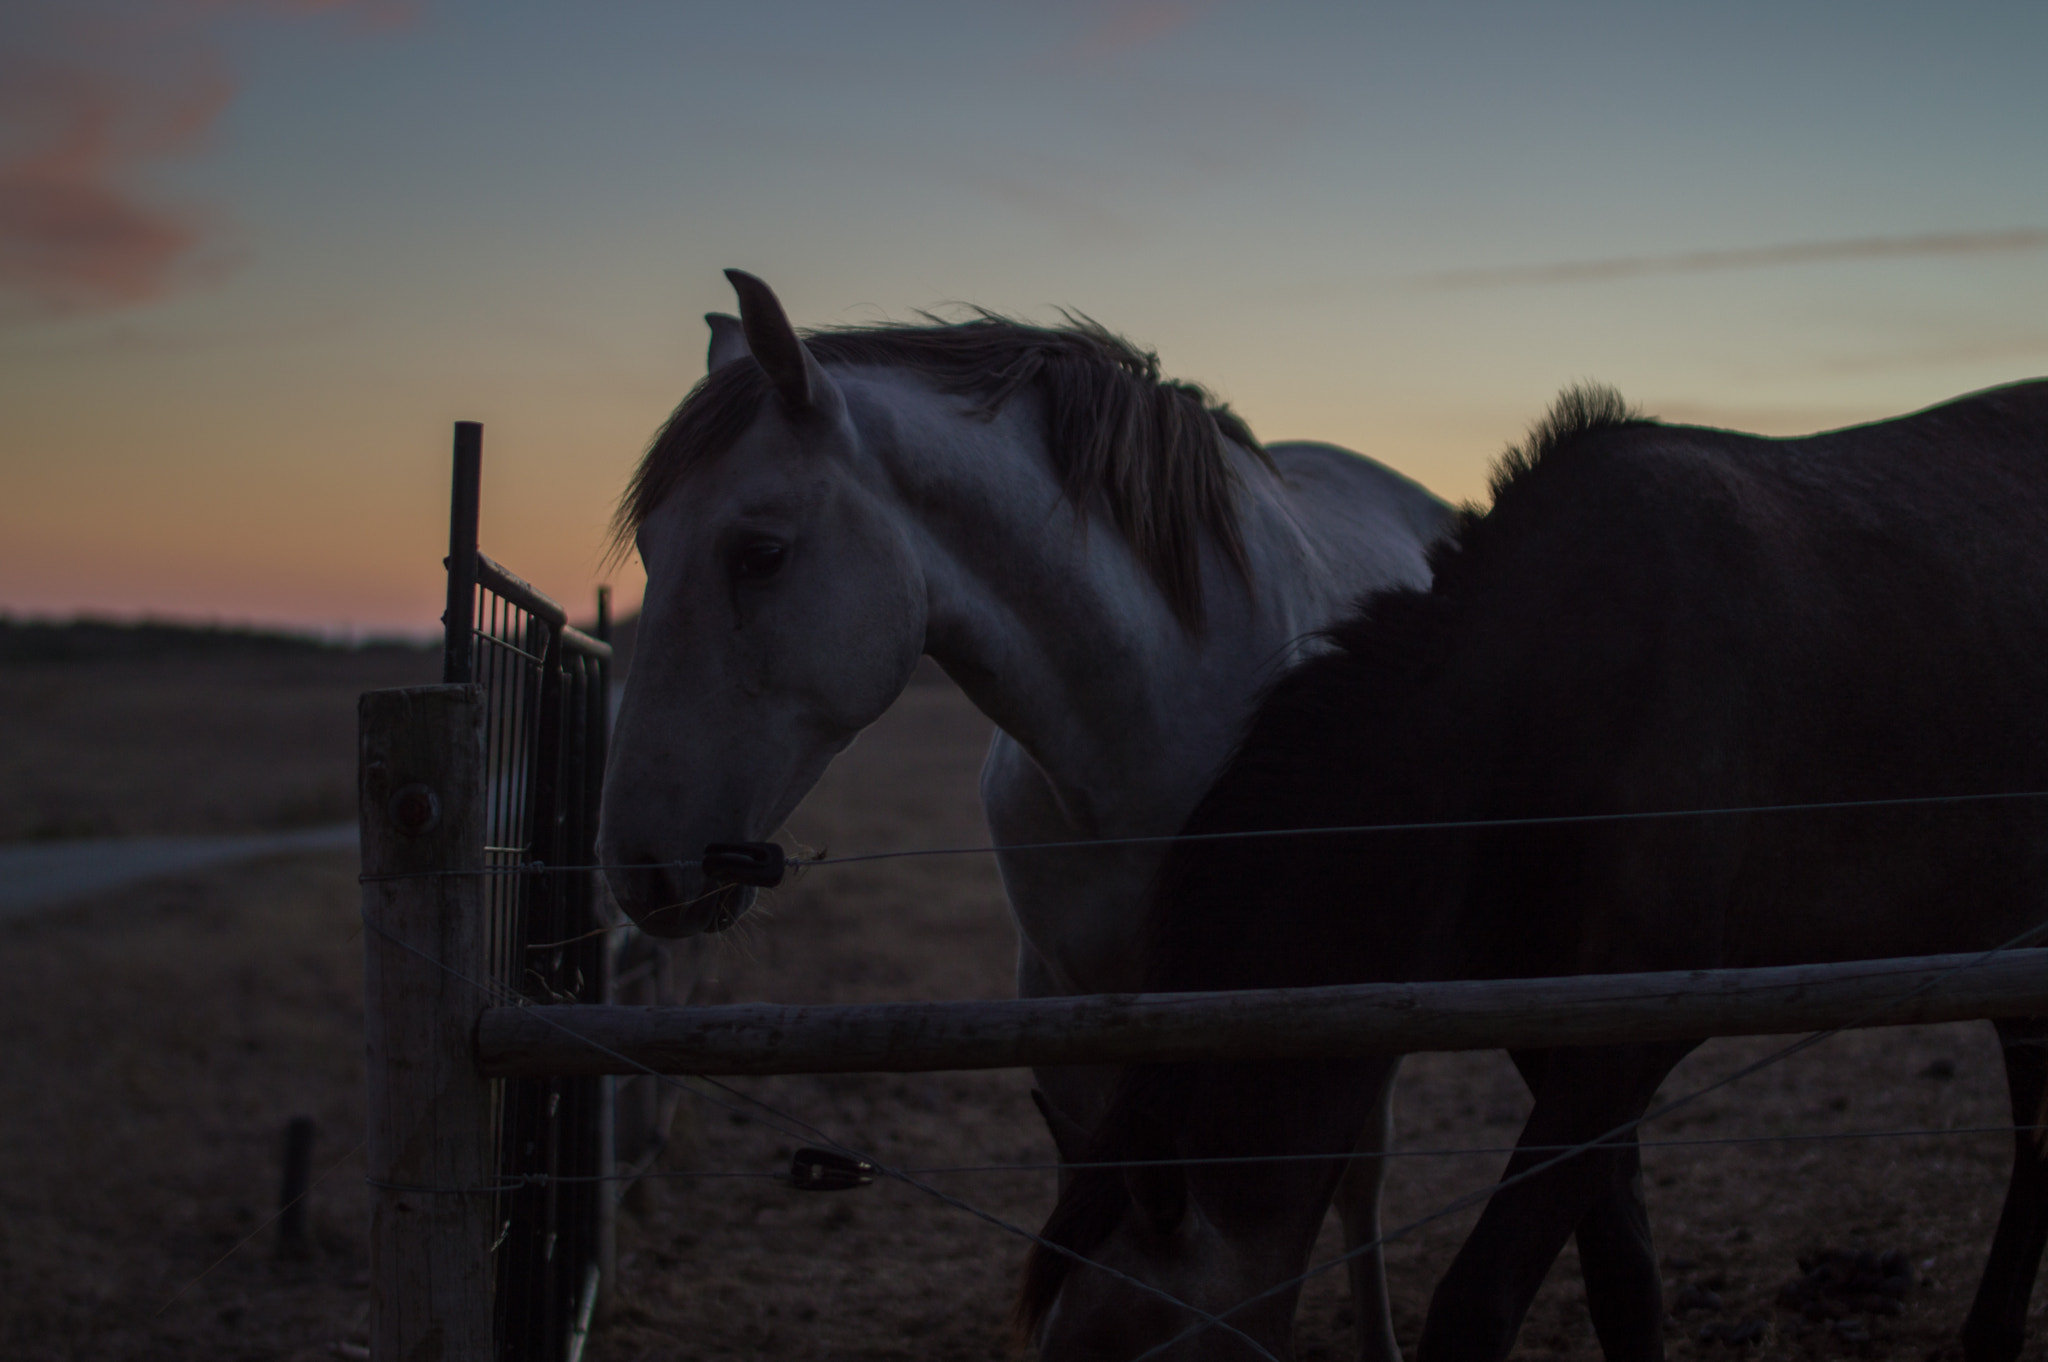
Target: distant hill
(93, 640)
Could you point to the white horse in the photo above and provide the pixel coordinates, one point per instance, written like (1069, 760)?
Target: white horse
(1106, 563)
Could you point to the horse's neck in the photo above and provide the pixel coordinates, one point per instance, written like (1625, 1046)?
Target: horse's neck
(1053, 628)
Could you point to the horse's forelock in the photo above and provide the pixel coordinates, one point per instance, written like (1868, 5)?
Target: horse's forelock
(705, 424)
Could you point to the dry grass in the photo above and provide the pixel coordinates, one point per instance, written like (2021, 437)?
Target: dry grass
(186, 745)
(159, 1039)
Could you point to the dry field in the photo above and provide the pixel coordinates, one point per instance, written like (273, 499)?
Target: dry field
(161, 1037)
(187, 744)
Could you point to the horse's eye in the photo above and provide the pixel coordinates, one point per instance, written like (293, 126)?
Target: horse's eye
(757, 561)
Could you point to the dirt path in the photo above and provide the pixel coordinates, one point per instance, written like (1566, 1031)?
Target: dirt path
(37, 875)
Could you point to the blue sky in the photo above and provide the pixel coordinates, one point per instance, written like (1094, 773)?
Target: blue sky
(321, 230)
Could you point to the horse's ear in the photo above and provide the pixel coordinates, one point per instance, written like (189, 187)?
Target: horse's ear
(775, 346)
(1068, 1136)
(1159, 1190)
(728, 340)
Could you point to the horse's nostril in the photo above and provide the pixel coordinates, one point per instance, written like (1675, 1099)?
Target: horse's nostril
(642, 885)
(676, 899)
(760, 864)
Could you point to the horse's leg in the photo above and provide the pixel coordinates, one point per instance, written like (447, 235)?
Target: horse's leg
(1997, 1323)
(1580, 1095)
(1072, 1097)
(1624, 1293)
(1358, 1206)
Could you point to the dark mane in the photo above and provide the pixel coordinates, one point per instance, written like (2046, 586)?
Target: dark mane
(1577, 410)
(1580, 410)
(1148, 450)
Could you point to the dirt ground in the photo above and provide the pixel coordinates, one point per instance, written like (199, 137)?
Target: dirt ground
(161, 1038)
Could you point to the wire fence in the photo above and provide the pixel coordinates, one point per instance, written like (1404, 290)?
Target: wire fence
(1352, 1156)
(802, 862)
(735, 1102)
(545, 732)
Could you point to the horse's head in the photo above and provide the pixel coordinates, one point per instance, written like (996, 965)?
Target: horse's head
(785, 610)
(1167, 1243)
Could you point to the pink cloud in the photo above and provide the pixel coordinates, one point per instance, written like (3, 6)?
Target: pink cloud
(92, 96)
(1133, 24)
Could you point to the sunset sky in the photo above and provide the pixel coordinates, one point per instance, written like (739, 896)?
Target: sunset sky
(257, 255)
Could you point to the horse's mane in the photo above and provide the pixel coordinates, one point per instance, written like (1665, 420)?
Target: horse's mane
(1148, 449)
(1195, 927)
(1579, 410)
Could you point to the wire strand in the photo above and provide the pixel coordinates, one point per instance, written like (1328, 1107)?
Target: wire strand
(1356, 1155)
(802, 862)
(1812, 1137)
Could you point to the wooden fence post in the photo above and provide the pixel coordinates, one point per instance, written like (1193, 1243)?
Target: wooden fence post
(430, 1127)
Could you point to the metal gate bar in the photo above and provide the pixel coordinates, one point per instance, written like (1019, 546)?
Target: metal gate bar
(545, 688)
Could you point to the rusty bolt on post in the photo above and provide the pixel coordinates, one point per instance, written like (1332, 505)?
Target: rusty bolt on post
(415, 810)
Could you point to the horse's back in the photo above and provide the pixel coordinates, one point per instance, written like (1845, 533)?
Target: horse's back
(1908, 468)
(1944, 460)
(1939, 511)
(1697, 618)
(1356, 508)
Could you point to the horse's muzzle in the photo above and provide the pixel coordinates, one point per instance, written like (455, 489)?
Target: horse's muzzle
(678, 900)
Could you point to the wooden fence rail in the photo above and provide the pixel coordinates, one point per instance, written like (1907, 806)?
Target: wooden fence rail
(1350, 1020)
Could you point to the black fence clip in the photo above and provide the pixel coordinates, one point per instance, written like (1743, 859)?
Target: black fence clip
(757, 863)
(821, 1170)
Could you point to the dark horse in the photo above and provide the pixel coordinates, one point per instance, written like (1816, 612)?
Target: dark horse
(1649, 618)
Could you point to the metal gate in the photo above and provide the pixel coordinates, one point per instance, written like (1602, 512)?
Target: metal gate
(546, 690)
